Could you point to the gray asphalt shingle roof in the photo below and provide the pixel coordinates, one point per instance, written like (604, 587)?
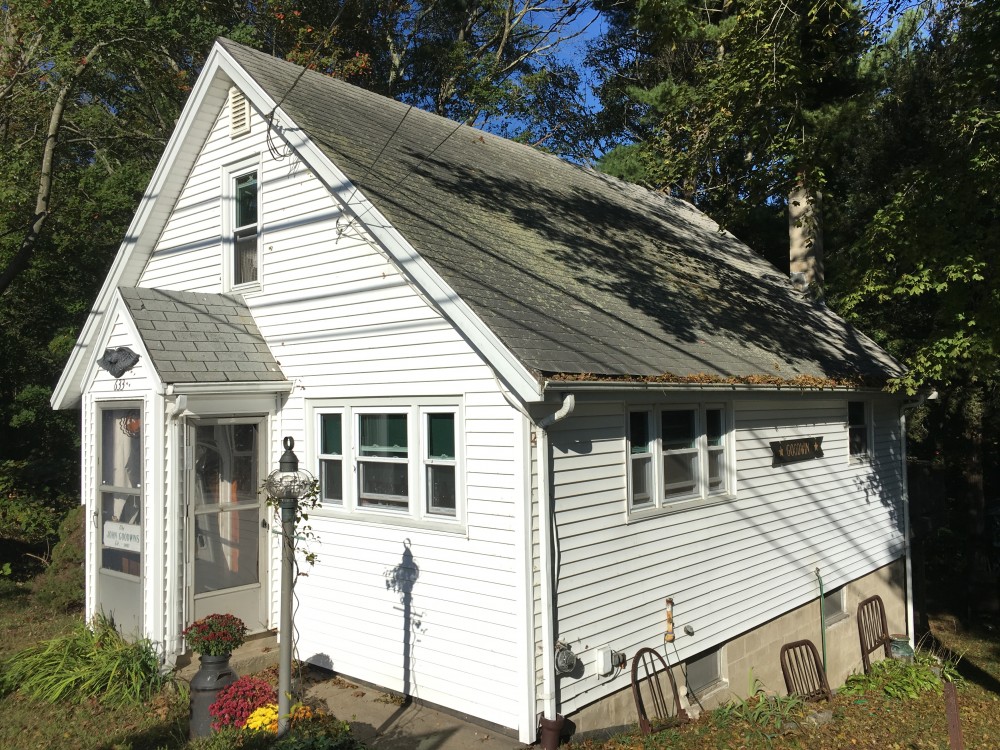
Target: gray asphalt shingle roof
(576, 272)
(194, 337)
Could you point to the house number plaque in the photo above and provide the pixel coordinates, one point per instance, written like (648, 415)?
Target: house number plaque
(792, 451)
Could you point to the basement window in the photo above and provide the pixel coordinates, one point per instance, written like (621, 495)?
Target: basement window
(704, 672)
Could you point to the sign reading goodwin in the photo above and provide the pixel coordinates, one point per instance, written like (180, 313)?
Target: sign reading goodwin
(793, 451)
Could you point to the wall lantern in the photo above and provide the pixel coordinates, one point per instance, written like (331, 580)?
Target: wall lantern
(286, 485)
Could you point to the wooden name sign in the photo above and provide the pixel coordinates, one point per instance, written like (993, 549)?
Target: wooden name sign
(793, 451)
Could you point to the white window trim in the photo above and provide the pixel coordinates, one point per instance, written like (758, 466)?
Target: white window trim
(416, 514)
(228, 211)
(866, 457)
(701, 495)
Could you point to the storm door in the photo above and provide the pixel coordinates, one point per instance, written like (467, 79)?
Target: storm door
(227, 520)
(118, 516)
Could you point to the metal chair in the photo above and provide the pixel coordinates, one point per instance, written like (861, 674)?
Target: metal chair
(803, 671)
(653, 667)
(873, 629)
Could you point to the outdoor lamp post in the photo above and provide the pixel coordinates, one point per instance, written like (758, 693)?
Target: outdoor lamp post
(286, 485)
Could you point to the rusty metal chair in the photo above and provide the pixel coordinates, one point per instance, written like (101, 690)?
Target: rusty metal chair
(803, 671)
(873, 630)
(649, 669)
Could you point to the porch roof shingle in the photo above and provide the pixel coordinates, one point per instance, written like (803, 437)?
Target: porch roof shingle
(194, 337)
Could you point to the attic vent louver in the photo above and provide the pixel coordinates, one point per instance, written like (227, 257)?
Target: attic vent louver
(239, 113)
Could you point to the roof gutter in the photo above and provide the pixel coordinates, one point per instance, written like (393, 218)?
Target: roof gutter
(546, 556)
(606, 385)
(229, 387)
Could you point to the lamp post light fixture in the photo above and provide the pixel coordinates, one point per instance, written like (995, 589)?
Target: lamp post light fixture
(286, 485)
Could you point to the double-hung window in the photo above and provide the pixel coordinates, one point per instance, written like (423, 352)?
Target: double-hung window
(677, 453)
(383, 461)
(245, 228)
(331, 459)
(398, 462)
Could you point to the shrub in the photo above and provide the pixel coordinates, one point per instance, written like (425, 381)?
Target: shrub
(92, 661)
(900, 679)
(320, 733)
(61, 586)
(236, 702)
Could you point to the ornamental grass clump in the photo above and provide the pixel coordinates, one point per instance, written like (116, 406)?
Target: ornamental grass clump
(235, 703)
(92, 661)
(216, 635)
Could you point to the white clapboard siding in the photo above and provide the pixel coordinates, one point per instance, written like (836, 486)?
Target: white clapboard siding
(346, 325)
(134, 388)
(730, 565)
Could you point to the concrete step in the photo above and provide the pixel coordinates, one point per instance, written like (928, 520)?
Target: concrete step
(257, 654)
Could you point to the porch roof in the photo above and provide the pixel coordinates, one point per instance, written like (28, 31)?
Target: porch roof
(193, 337)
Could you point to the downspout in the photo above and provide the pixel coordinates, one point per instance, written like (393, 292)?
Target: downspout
(907, 562)
(551, 721)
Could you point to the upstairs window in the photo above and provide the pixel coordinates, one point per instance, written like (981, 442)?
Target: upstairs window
(858, 427)
(245, 228)
(676, 454)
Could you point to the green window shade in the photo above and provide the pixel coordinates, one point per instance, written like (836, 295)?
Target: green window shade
(713, 426)
(246, 199)
(441, 436)
(331, 439)
(678, 429)
(384, 435)
(638, 431)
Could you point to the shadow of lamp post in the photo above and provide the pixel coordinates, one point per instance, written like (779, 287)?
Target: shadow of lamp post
(287, 484)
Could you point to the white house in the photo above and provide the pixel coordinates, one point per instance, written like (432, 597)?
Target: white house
(540, 401)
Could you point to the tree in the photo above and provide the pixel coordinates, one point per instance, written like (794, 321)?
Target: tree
(89, 97)
(733, 99)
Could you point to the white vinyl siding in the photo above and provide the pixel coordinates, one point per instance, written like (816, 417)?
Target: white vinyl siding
(348, 328)
(729, 566)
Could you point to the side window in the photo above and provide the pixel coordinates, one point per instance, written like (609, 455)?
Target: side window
(858, 426)
(677, 454)
(440, 463)
(245, 228)
(383, 461)
(331, 459)
(679, 435)
(641, 459)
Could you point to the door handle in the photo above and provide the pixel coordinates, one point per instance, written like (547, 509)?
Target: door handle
(263, 523)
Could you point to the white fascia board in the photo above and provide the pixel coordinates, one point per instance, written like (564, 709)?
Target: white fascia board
(428, 281)
(150, 217)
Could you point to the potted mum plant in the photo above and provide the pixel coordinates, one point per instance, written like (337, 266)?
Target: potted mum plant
(213, 638)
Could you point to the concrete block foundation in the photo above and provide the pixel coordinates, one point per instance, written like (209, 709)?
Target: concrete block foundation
(751, 658)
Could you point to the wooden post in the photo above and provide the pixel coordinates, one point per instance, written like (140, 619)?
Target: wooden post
(955, 741)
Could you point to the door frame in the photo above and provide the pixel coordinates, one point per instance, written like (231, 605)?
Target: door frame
(191, 599)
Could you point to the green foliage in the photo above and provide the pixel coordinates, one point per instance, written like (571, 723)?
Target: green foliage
(322, 732)
(61, 585)
(731, 100)
(93, 661)
(919, 235)
(900, 679)
(764, 716)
